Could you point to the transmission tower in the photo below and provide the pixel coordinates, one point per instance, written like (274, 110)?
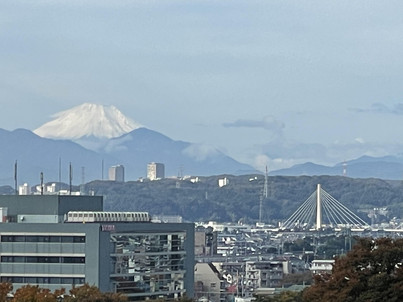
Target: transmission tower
(263, 196)
(265, 188)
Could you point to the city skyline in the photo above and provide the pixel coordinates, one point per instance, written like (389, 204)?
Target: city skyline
(268, 83)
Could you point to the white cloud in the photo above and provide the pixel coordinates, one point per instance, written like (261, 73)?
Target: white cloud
(380, 108)
(200, 151)
(261, 161)
(267, 123)
(359, 140)
(117, 144)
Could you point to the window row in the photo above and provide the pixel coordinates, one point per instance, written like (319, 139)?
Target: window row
(138, 243)
(74, 216)
(42, 280)
(47, 259)
(53, 239)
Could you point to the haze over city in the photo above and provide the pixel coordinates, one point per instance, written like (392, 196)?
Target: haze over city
(274, 83)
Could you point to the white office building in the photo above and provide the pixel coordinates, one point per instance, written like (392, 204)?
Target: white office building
(117, 173)
(24, 189)
(155, 171)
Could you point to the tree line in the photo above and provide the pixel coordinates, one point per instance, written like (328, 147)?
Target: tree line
(204, 200)
(34, 293)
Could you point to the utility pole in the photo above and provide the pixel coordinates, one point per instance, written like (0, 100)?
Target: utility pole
(15, 178)
(41, 183)
(71, 177)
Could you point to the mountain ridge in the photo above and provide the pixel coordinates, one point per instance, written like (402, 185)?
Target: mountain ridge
(386, 167)
(133, 150)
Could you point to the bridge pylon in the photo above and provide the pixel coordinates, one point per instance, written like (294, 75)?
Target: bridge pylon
(323, 210)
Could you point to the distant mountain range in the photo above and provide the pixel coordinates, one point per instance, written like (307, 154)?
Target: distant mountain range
(387, 167)
(94, 137)
(133, 150)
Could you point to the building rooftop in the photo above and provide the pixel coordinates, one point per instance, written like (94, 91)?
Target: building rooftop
(49, 204)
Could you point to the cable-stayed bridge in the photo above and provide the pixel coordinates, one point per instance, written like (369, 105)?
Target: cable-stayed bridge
(323, 210)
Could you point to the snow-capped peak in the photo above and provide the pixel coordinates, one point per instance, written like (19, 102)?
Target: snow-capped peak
(87, 120)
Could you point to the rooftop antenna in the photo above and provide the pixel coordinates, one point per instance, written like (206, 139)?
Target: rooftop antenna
(15, 178)
(60, 174)
(82, 180)
(180, 172)
(102, 169)
(82, 175)
(70, 176)
(41, 183)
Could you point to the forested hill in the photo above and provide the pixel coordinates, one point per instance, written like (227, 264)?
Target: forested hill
(205, 200)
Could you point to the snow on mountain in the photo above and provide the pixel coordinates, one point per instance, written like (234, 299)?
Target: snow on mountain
(87, 120)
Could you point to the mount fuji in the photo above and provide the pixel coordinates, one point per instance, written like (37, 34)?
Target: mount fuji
(89, 125)
(87, 120)
(92, 137)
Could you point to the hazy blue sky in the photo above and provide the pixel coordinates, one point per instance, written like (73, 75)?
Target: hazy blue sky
(276, 82)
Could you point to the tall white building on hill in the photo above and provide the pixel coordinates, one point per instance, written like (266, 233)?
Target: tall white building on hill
(117, 173)
(155, 171)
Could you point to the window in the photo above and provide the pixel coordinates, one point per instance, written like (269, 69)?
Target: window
(73, 259)
(39, 239)
(79, 239)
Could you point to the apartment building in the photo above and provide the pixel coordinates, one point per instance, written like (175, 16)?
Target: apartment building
(116, 251)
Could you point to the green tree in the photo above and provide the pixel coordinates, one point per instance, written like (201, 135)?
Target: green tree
(371, 271)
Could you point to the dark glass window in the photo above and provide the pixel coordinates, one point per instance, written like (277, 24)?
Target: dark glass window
(30, 280)
(79, 239)
(68, 280)
(18, 279)
(64, 239)
(19, 238)
(73, 259)
(55, 280)
(32, 238)
(67, 239)
(18, 259)
(78, 281)
(6, 238)
(54, 239)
